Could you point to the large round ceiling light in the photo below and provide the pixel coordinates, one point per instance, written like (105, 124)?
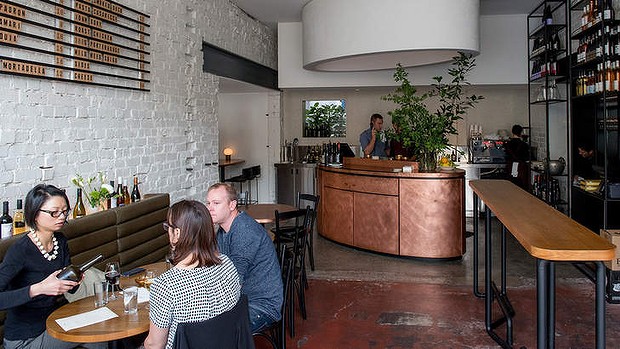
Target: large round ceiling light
(361, 35)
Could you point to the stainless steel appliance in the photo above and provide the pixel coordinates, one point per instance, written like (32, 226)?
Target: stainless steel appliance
(484, 151)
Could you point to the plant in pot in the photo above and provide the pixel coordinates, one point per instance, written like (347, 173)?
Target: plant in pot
(427, 132)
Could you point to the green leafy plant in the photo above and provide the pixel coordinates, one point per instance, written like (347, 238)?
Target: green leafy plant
(427, 132)
(96, 193)
(325, 120)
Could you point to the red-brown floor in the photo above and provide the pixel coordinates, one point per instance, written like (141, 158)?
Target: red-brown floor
(395, 315)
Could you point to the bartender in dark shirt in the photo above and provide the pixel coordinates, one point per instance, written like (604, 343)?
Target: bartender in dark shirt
(583, 163)
(517, 155)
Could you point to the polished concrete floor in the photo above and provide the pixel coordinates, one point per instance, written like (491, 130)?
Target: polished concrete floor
(359, 299)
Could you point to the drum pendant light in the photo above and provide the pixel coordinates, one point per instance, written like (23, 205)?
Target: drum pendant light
(362, 35)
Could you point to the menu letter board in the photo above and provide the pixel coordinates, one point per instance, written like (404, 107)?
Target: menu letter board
(98, 42)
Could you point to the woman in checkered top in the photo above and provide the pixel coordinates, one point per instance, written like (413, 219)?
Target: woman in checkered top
(202, 284)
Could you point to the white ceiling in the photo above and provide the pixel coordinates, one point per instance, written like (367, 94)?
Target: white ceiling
(271, 12)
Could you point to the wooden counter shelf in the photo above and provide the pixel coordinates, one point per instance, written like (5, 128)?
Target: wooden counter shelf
(366, 205)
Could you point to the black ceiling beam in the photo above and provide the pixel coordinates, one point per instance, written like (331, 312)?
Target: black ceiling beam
(227, 64)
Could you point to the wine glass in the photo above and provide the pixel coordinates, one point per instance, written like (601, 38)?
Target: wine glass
(148, 280)
(113, 277)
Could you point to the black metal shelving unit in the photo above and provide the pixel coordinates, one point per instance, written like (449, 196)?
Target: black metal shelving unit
(595, 84)
(548, 96)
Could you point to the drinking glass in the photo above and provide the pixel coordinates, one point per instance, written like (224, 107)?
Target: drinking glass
(148, 280)
(113, 277)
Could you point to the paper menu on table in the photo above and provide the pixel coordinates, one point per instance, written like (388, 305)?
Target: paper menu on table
(143, 295)
(85, 319)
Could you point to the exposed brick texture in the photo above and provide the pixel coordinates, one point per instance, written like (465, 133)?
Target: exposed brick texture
(158, 135)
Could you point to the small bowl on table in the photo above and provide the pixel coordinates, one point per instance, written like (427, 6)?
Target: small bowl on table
(446, 168)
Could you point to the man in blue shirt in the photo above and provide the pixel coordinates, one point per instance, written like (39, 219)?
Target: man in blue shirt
(372, 140)
(252, 252)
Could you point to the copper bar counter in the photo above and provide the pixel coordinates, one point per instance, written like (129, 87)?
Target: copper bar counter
(366, 205)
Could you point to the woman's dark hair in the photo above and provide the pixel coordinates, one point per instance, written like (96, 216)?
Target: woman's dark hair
(35, 199)
(196, 237)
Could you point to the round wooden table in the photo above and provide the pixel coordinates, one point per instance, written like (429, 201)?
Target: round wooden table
(265, 213)
(123, 326)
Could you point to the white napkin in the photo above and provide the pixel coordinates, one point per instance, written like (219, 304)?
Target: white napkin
(143, 295)
(85, 319)
(515, 169)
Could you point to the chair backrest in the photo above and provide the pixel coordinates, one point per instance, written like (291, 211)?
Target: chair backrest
(312, 201)
(255, 170)
(300, 218)
(247, 173)
(230, 329)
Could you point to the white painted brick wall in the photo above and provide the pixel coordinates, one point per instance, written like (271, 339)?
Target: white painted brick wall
(158, 134)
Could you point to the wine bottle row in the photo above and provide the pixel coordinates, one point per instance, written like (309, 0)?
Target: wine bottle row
(606, 77)
(596, 10)
(118, 198)
(16, 224)
(540, 68)
(12, 225)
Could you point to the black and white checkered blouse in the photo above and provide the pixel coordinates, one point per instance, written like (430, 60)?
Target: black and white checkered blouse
(198, 294)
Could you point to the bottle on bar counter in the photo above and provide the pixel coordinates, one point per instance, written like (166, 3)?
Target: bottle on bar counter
(135, 192)
(19, 223)
(126, 196)
(74, 273)
(112, 200)
(120, 200)
(6, 222)
(78, 209)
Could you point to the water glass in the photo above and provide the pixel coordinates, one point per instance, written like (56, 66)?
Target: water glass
(101, 293)
(130, 300)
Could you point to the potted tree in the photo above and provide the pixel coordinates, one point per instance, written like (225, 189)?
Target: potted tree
(427, 132)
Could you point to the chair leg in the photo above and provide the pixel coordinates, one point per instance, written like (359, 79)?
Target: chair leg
(310, 245)
(302, 299)
(291, 311)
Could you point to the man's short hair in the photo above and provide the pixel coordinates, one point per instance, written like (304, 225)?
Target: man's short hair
(375, 116)
(231, 192)
(517, 130)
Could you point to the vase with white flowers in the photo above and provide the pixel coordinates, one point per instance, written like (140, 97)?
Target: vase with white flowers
(96, 189)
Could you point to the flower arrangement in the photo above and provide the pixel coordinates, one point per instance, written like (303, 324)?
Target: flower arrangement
(96, 195)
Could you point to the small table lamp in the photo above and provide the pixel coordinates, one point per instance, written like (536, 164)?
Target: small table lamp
(228, 152)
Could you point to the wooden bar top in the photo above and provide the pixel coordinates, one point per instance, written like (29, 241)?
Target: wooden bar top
(543, 231)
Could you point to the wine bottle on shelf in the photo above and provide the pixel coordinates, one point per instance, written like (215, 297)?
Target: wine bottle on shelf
(19, 223)
(608, 11)
(112, 202)
(6, 222)
(74, 273)
(78, 209)
(135, 192)
(126, 196)
(547, 18)
(120, 200)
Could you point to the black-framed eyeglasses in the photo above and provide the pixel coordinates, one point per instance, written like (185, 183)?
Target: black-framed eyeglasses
(167, 226)
(56, 214)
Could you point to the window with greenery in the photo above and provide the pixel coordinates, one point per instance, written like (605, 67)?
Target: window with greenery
(325, 118)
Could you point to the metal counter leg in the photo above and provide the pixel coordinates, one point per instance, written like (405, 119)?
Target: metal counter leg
(488, 274)
(600, 305)
(477, 293)
(551, 305)
(542, 267)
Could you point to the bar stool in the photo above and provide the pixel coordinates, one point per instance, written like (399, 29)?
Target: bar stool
(246, 174)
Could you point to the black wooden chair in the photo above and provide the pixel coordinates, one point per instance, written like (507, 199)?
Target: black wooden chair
(229, 330)
(296, 243)
(287, 230)
(276, 333)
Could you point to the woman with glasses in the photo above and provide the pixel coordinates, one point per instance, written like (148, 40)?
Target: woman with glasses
(29, 289)
(203, 282)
